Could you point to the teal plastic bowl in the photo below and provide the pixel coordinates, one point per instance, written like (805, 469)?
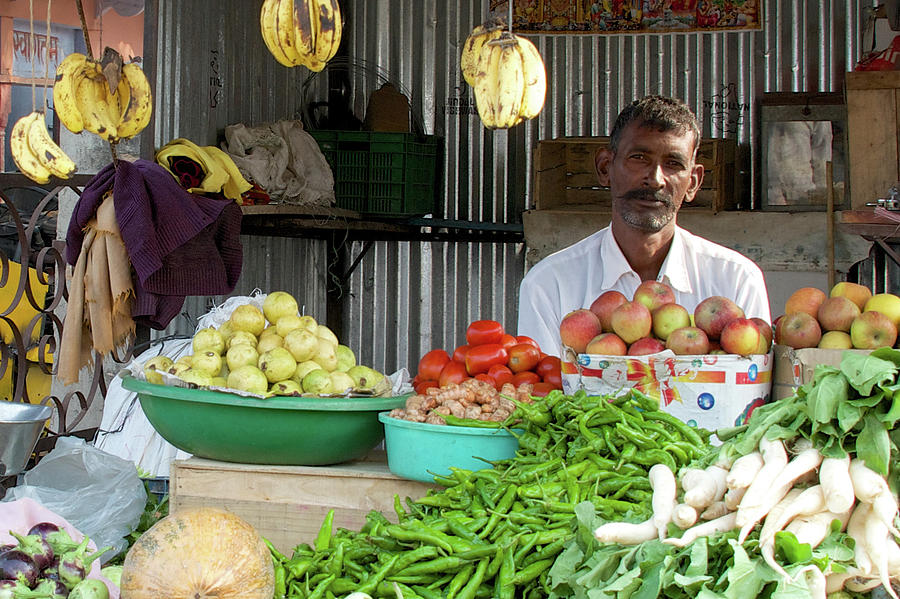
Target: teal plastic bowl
(295, 431)
(418, 451)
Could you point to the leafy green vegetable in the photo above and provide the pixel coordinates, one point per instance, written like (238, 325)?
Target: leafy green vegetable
(873, 445)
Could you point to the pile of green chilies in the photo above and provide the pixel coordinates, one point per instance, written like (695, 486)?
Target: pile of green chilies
(496, 532)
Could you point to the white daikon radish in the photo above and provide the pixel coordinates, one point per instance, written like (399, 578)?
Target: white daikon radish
(708, 488)
(684, 516)
(871, 487)
(877, 536)
(805, 461)
(710, 527)
(761, 496)
(812, 529)
(861, 584)
(834, 476)
(662, 481)
(744, 471)
(626, 533)
(767, 550)
(815, 581)
(689, 478)
(893, 551)
(807, 502)
(856, 528)
(733, 497)
(714, 510)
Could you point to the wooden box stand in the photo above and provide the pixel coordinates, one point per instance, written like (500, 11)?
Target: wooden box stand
(287, 504)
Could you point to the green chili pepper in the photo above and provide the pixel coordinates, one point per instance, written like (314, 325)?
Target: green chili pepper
(470, 422)
(435, 500)
(502, 507)
(320, 589)
(427, 593)
(504, 587)
(335, 562)
(276, 555)
(423, 536)
(280, 581)
(459, 580)
(468, 591)
(635, 436)
(532, 571)
(439, 565)
(298, 566)
(323, 539)
(371, 583)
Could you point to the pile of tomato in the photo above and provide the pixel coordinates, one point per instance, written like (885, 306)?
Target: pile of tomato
(491, 355)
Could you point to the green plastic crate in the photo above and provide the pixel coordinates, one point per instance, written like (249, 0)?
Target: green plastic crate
(382, 174)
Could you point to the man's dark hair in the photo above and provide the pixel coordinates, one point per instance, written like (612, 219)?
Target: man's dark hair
(656, 112)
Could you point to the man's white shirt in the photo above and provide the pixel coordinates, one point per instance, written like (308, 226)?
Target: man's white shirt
(574, 277)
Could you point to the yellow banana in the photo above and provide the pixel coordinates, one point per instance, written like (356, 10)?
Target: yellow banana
(138, 108)
(215, 174)
(500, 83)
(302, 18)
(268, 27)
(236, 184)
(285, 32)
(50, 155)
(97, 106)
(68, 73)
(535, 79)
(468, 60)
(329, 29)
(27, 162)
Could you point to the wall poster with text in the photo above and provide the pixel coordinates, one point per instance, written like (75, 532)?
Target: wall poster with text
(630, 16)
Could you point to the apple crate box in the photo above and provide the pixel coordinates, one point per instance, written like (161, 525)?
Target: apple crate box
(795, 367)
(709, 391)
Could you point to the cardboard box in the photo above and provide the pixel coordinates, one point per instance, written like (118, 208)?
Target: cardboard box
(795, 367)
(287, 504)
(709, 391)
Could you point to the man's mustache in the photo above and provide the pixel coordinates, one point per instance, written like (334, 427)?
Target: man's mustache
(650, 195)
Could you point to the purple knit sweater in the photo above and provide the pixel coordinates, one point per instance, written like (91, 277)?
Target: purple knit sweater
(179, 243)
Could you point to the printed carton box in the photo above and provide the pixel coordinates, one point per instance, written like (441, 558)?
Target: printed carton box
(795, 367)
(710, 391)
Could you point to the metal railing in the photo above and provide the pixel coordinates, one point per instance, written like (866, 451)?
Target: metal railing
(31, 317)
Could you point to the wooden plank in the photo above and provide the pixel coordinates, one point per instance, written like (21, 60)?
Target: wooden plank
(286, 504)
(873, 144)
(857, 80)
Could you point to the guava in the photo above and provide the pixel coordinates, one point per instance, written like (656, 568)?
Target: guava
(196, 377)
(268, 342)
(178, 367)
(309, 323)
(278, 304)
(208, 339)
(317, 382)
(288, 387)
(241, 355)
(302, 344)
(248, 378)
(325, 356)
(365, 377)
(154, 366)
(219, 381)
(346, 359)
(323, 332)
(226, 330)
(341, 382)
(288, 323)
(185, 359)
(239, 337)
(278, 364)
(248, 317)
(209, 362)
(304, 368)
(269, 330)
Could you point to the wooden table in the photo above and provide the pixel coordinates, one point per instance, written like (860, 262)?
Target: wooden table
(877, 227)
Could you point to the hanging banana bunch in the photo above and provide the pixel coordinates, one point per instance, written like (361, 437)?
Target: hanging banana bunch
(468, 60)
(301, 32)
(83, 99)
(508, 77)
(35, 152)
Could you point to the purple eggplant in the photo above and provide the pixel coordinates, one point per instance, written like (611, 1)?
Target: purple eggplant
(74, 565)
(35, 546)
(5, 548)
(58, 538)
(12, 589)
(18, 565)
(45, 589)
(89, 588)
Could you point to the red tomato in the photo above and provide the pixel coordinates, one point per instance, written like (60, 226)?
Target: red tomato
(453, 372)
(459, 354)
(541, 389)
(508, 341)
(432, 363)
(421, 386)
(481, 357)
(555, 379)
(484, 377)
(526, 376)
(501, 374)
(481, 332)
(548, 365)
(523, 356)
(527, 339)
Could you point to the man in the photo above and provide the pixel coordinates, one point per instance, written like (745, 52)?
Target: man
(650, 167)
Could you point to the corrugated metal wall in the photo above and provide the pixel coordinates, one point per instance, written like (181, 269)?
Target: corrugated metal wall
(405, 298)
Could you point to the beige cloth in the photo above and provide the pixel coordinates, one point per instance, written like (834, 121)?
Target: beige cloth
(98, 315)
(283, 159)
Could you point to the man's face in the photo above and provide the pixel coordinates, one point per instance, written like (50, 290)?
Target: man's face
(650, 175)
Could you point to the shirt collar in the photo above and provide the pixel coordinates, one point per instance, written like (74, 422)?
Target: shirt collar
(673, 272)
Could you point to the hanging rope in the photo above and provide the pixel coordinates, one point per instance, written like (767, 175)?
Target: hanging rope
(32, 45)
(47, 60)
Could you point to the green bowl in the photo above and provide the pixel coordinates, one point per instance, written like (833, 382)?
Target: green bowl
(418, 451)
(296, 431)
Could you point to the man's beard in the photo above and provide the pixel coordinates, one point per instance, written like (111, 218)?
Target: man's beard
(649, 221)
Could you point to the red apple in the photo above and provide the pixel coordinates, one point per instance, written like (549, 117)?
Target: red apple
(669, 317)
(836, 340)
(604, 305)
(688, 341)
(871, 330)
(713, 313)
(577, 328)
(645, 346)
(805, 299)
(858, 294)
(740, 336)
(837, 313)
(798, 330)
(631, 321)
(765, 329)
(606, 344)
(653, 294)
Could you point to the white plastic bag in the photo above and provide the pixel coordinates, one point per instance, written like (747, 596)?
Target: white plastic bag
(98, 493)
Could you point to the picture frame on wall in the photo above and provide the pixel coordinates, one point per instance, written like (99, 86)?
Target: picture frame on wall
(800, 134)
